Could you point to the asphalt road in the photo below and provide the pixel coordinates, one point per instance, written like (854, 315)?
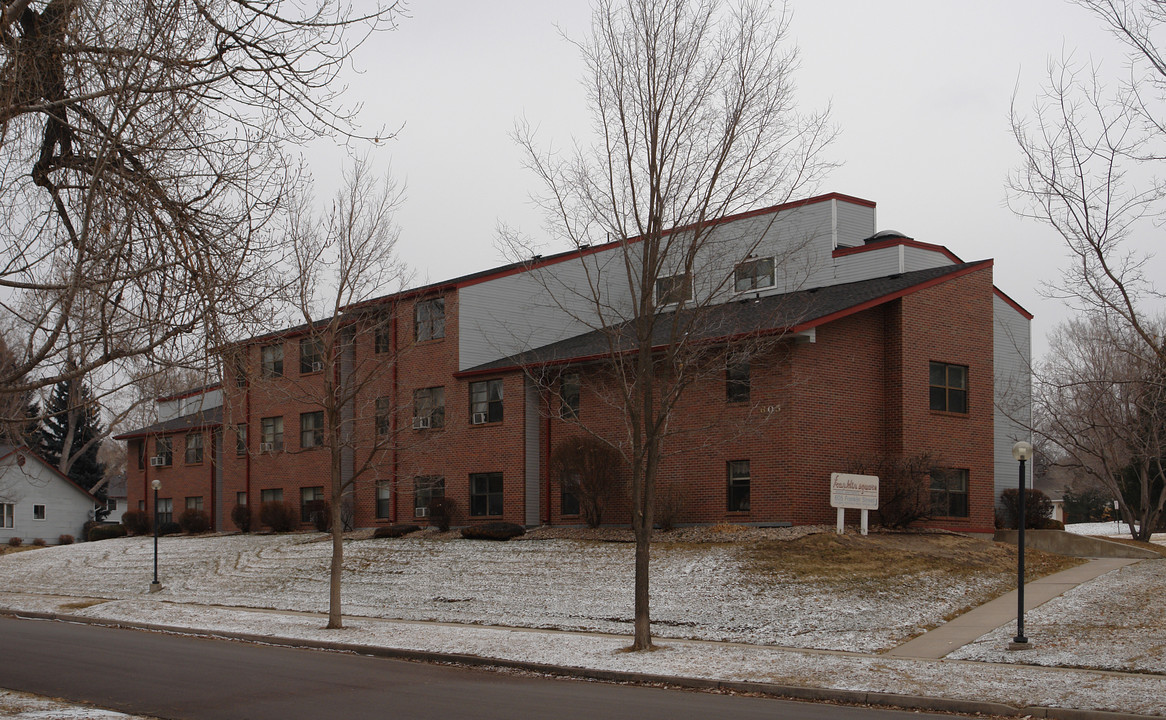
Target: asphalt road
(171, 676)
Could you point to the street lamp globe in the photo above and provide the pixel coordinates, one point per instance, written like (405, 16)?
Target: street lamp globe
(1020, 451)
(157, 484)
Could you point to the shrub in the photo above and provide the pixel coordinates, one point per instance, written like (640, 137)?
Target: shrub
(668, 505)
(66, 540)
(105, 532)
(137, 522)
(280, 517)
(904, 487)
(1037, 508)
(15, 541)
(194, 522)
(588, 468)
(1051, 524)
(241, 516)
(493, 531)
(1088, 505)
(320, 514)
(169, 528)
(441, 512)
(39, 542)
(395, 531)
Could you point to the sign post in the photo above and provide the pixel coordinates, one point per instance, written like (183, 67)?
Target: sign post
(854, 491)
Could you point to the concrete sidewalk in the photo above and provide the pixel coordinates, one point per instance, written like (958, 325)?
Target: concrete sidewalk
(970, 626)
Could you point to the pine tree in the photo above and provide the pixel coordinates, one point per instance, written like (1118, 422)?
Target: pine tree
(73, 398)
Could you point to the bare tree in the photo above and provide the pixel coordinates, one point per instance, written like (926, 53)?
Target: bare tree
(340, 260)
(144, 162)
(693, 107)
(1091, 150)
(1101, 399)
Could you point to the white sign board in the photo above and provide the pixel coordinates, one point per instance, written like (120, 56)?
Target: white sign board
(854, 491)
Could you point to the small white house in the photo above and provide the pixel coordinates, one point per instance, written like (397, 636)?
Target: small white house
(37, 501)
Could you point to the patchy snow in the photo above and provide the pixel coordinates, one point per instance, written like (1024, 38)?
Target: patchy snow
(394, 590)
(1110, 529)
(22, 706)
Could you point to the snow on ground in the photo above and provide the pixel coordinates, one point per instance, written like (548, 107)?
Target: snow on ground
(22, 706)
(1109, 529)
(700, 592)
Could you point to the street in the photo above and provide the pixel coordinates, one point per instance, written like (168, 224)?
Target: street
(171, 676)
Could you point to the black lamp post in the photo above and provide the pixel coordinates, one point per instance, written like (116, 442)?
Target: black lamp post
(156, 586)
(1022, 451)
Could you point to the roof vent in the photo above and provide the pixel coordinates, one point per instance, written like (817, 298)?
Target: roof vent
(886, 235)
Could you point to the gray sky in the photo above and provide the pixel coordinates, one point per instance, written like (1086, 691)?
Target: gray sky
(920, 91)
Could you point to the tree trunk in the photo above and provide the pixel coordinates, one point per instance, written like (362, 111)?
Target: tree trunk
(335, 619)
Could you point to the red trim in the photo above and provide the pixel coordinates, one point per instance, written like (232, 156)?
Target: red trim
(893, 242)
(191, 393)
(165, 433)
(1015, 305)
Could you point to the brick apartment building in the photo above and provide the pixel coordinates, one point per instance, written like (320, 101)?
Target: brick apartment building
(882, 346)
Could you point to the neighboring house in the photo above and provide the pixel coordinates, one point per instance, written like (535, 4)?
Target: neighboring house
(37, 501)
(889, 346)
(115, 498)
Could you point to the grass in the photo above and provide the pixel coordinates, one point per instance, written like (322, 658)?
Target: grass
(7, 549)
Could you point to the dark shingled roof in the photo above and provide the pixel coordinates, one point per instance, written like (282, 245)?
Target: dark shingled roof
(748, 316)
(210, 418)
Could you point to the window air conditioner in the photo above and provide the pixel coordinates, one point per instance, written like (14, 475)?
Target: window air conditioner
(266, 447)
(478, 418)
(317, 366)
(420, 423)
(421, 512)
(158, 461)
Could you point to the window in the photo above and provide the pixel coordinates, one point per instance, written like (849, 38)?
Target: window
(384, 416)
(141, 454)
(570, 396)
(193, 448)
(164, 450)
(673, 289)
(240, 498)
(312, 429)
(141, 506)
(429, 319)
(311, 355)
(240, 363)
(382, 339)
(949, 387)
(753, 274)
(272, 439)
(425, 489)
(7, 515)
(569, 495)
(164, 511)
(311, 503)
(272, 359)
(949, 493)
(737, 380)
(194, 503)
(38, 512)
(485, 402)
(111, 504)
(241, 439)
(738, 471)
(270, 496)
(429, 404)
(485, 494)
(384, 500)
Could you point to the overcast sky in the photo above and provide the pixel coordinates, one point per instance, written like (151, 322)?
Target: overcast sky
(920, 90)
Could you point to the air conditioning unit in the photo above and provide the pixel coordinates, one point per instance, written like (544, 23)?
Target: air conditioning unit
(158, 461)
(478, 418)
(421, 423)
(317, 366)
(421, 512)
(266, 447)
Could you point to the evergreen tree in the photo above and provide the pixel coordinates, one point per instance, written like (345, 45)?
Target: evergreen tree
(73, 399)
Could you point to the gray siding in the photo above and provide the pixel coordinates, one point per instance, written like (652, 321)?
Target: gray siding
(867, 265)
(66, 507)
(1012, 356)
(915, 258)
(533, 438)
(855, 223)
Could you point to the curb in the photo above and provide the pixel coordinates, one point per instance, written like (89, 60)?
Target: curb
(791, 692)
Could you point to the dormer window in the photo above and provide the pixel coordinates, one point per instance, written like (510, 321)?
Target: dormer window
(674, 289)
(753, 275)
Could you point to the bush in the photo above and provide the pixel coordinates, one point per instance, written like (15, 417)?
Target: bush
(137, 522)
(15, 542)
(588, 468)
(194, 522)
(493, 531)
(320, 514)
(441, 512)
(395, 531)
(39, 542)
(241, 516)
(169, 528)
(1088, 505)
(1037, 508)
(667, 507)
(280, 517)
(66, 540)
(105, 532)
(1051, 524)
(904, 487)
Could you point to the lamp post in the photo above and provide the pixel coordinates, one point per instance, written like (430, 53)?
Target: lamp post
(1021, 451)
(156, 586)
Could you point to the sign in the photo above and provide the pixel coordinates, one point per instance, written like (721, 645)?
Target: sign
(854, 491)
